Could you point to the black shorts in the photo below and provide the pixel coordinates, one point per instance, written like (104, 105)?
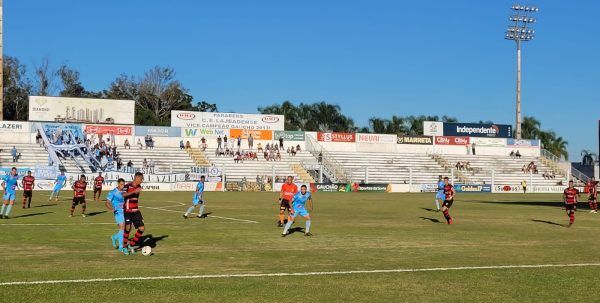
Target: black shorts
(448, 203)
(285, 204)
(571, 207)
(592, 198)
(78, 200)
(97, 189)
(134, 218)
(28, 193)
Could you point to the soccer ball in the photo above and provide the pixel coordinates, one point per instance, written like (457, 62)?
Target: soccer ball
(146, 250)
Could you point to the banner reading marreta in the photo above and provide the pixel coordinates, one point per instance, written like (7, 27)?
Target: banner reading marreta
(336, 137)
(204, 120)
(289, 135)
(81, 110)
(477, 130)
(423, 140)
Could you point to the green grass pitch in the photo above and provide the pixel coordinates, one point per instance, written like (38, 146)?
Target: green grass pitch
(367, 232)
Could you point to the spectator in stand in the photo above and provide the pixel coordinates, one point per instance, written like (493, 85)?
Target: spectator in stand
(518, 154)
(151, 166)
(38, 137)
(259, 147)
(130, 166)
(288, 150)
(320, 157)
(219, 142)
(188, 145)
(524, 169)
(237, 157)
(512, 154)
(293, 151)
(139, 143)
(298, 148)
(278, 157)
(119, 164)
(203, 142)
(473, 149)
(281, 142)
(151, 142)
(14, 154)
(268, 146)
(126, 144)
(225, 140)
(266, 154)
(250, 142)
(239, 142)
(181, 146)
(145, 164)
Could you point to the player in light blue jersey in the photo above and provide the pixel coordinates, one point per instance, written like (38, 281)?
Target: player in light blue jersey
(198, 199)
(115, 202)
(440, 196)
(301, 201)
(59, 183)
(9, 185)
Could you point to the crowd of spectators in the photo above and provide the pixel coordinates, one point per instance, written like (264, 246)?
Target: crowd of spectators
(530, 168)
(515, 155)
(463, 165)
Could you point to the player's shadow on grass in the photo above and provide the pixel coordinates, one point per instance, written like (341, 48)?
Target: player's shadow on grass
(429, 209)
(296, 230)
(44, 205)
(149, 240)
(547, 222)
(431, 219)
(205, 215)
(95, 213)
(31, 215)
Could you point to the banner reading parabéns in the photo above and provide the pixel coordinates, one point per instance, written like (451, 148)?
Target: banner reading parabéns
(206, 120)
(336, 137)
(81, 110)
(158, 131)
(289, 135)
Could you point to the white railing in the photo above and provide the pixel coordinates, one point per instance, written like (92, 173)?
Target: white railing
(326, 159)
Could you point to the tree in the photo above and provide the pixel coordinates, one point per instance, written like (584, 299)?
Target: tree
(71, 85)
(204, 106)
(588, 158)
(17, 88)
(530, 128)
(45, 79)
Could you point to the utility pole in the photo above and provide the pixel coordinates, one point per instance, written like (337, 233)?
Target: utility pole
(1, 67)
(520, 31)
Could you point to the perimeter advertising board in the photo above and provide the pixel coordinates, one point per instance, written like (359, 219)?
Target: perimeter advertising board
(204, 120)
(81, 110)
(477, 130)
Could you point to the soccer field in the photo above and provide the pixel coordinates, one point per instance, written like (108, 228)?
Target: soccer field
(366, 248)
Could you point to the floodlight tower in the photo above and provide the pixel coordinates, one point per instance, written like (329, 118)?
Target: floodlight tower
(520, 30)
(1, 68)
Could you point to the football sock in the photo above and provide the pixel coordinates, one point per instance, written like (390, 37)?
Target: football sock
(136, 237)
(281, 218)
(28, 202)
(125, 238)
(447, 215)
(287, 227)
(189, 210)
(571, 217)
(8, 208)
(25, 202)
(437, 204)
(3, 208)
(83, 208)
(119, 236)
(591, 205)
(201, 210)
(307, 226)
(595, 204)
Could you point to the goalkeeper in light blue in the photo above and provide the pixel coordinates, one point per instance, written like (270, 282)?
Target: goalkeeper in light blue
(302, 200)
(115, 202)
(9, 185)
(198, 200)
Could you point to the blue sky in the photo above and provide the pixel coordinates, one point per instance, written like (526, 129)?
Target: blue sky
(373, 58)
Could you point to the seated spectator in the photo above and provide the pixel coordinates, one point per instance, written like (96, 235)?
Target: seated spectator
(188, 145)
(139, 143)
(181, 145)
(278, 157)
(38, 137)
(266, 155)
(293, 151)
(524, 169)
(518, 154)
(127, 145)
(298, 148)
(512, 154)
(288, 150)
(237, 158)
(145, 164)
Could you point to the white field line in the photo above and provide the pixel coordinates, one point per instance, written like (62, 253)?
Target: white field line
(211, 216)
(300, 274)
(71, 224)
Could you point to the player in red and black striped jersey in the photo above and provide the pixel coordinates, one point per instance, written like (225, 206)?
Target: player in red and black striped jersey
(449, 192)
(79, 188)
(570, 197)
(28, 183)
(98, 181)
(593, 195)
(133, 216)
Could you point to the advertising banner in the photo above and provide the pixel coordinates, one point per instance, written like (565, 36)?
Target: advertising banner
(422, 140)
(289, 135)
(15, 127)
(158, 131)
(191, 186)
(336, 137)
(348, 187)
(115, 175)
(473, 188)
(376, 138)
(506, 188)
(203, 132)
(81, 110)
(256, 134)
(523, 143)
(359, 187)
(477, 130)
(21, 172)
(432, 128)
(52, 129)
(492, 142)
(206, 120)
(117, 130)
(328, 187)
(448, 140)
(428, 188)
(45, 172)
